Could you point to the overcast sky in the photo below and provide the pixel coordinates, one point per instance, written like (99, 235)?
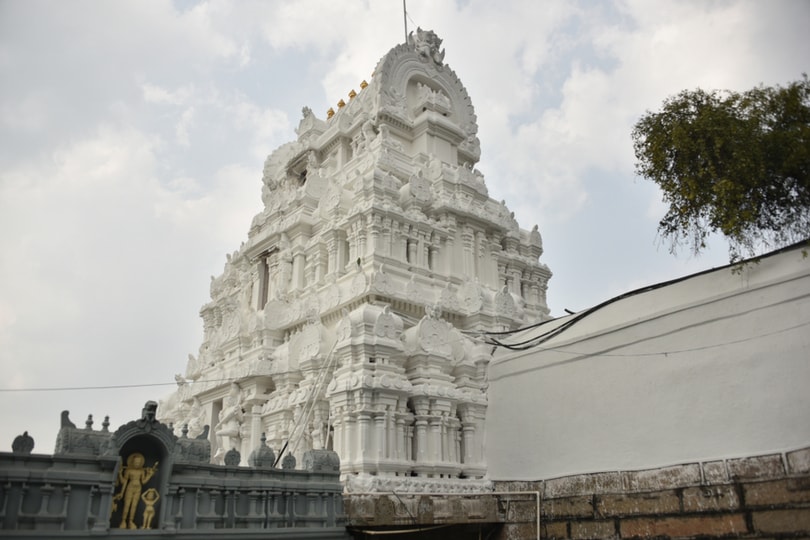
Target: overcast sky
(132, 137)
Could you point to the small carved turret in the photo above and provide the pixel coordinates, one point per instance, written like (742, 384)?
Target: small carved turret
(262, 456)
(23, 444)
(65, 420)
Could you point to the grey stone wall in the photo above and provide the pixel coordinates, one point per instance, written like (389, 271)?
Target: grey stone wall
(761, 497)
(78, 491)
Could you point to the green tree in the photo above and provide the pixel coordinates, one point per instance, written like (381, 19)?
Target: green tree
(733, 163)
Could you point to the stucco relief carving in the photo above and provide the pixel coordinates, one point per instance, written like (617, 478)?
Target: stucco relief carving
(387, 325)
(427, 44)
(331, 296)
(359, 282)
(471, 296)
(505, 303)
(414, 291)
(431, 100)
(393, 103)
(418, 188)
(382, 282)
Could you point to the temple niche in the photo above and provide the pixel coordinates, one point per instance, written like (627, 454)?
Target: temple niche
(348, 318)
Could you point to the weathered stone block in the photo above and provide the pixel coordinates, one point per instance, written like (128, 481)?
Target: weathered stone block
(384, 510)
(638, 503)
(777, 492)
(663, 478)
(714, 472)
(610, 482)
(683, 526)
(359, 509)
(424, 510)
(518, 531)
(799, 461)
(710, 499)
(521, 510)
(593, 529)
(557, 529)
(567, 507)
(518, 485)
(782, 521)
(755, 468)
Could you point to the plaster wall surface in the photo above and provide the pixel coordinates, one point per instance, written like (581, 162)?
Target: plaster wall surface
(713, 366)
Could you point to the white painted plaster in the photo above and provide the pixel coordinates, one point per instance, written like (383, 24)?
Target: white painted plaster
(714, 366)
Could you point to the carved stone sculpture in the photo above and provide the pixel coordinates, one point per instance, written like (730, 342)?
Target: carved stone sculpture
(23, 444)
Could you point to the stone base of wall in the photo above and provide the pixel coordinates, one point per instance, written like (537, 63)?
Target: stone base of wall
(757, 497)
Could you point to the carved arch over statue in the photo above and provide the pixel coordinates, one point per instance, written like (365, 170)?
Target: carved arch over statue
(147, 425)
(146, 448)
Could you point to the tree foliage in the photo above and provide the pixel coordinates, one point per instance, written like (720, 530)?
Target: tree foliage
(734, 163)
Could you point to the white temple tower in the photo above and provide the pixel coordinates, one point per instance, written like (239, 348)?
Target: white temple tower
(348, 318)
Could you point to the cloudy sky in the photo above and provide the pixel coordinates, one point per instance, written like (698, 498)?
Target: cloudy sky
(132, 136)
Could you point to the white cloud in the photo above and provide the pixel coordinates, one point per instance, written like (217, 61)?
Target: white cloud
(182, 127)
(153, 93)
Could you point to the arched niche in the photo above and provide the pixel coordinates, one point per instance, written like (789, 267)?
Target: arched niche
(146, 450)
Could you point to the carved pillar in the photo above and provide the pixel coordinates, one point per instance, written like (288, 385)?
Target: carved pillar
(255, 428)
(362, 248)
(390, 434)
(363, 421)
(420, 439)
(298, 263)
(274, 273)
(515, 288)
(457, 442)
(387, 240)
(337, 434)
(478, 253)
(380, 434)
(309, 270)
(447, 447)
(435, 439)
(413, 251)
(501, 274)
(405, 245)
(374, 227)
(260, 292)
(351, 238)
(468, 437)
(468, 266)
(332, 254)
(410, 442)
(395, 241)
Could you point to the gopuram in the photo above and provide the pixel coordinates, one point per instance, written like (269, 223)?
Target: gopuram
(348, 320)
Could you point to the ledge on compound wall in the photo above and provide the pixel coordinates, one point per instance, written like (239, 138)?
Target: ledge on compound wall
(766, 496)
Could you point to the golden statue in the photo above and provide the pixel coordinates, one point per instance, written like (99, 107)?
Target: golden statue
(131, 478)
(149, 498)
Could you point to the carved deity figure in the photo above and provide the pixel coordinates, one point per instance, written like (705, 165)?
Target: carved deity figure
(150, 498)
(195, 419)
(132, 478)
(230, 417)
(427, 44)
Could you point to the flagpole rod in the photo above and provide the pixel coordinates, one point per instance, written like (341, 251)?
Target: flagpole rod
(405, 20)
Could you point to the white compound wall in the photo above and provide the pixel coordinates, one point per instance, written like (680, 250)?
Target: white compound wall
(714, 366)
